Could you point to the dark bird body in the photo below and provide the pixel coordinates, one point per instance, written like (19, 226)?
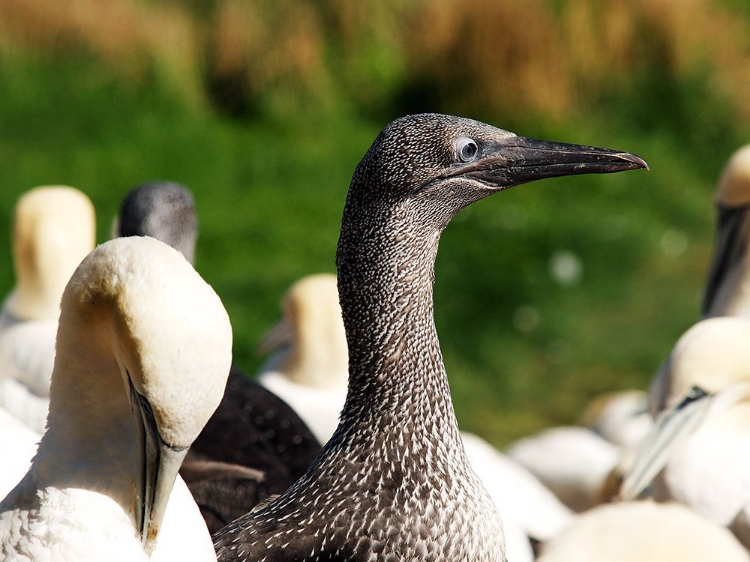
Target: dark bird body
(251, 429)
(393, 483)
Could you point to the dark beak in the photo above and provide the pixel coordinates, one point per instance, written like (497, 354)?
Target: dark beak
(518, 160)
(157, 465)
(730, 248)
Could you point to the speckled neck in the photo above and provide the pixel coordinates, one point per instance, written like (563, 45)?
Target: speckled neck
(386, 274)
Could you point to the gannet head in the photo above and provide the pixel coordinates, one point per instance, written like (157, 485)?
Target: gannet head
(733, 189)
(53, 230)
(171, 340)
(312, 331)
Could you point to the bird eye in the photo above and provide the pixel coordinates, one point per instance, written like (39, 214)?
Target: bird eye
(466, 149)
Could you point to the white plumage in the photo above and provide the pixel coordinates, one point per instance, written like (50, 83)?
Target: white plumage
(728, 288)
(643, 532)
(143, 353)
(310, 368)
(707, 466)
(53, 230)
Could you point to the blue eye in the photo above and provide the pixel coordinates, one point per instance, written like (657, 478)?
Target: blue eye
(466, 149)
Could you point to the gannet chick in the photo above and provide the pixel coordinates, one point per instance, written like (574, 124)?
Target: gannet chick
(309, 371)
(143, 353)
(393, 483)
(53, 230)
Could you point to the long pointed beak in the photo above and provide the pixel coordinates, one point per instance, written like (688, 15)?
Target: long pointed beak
(158, 465)
(518, 160)
(731, 246)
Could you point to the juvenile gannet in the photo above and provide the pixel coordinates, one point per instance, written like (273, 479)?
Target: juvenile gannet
(309, 372)
(393, 483)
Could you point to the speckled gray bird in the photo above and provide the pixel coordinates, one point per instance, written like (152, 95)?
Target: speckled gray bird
(393, 483)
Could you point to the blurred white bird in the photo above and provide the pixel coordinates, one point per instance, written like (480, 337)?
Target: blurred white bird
(53, 230)
(728, 287)
(642, 531)
(310, 368)
(700, 447)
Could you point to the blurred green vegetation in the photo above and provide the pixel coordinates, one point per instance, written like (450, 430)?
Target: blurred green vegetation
(263, 109)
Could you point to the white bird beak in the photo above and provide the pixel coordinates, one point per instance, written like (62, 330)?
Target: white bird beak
(158, 464)
(731, 247)
(671, 428)
(280, 335)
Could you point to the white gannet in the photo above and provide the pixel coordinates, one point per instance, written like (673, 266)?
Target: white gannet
(621, 417)
(643, 532)
(310, 369)
(728, 287)
(254, 445)
(699, 449)
(143, 353)
(53, 230)
(573, 462)
(18, 445)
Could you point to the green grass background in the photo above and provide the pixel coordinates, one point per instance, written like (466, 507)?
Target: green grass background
(270, 188)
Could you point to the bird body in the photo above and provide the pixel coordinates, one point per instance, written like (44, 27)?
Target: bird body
(306, 372)
(27, 354)
(393, 483)
(699, 450)
(53, 230)
(18, 443)
(643, 531)
(143, 352)
(571, 461)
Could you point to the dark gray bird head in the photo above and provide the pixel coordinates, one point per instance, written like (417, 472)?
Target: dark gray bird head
(449, 162)
(163, 210)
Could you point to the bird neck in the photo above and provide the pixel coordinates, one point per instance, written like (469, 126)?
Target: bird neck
(90, 437)
(396, 371)
(733, 297)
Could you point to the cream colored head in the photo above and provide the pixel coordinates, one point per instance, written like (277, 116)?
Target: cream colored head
(53, 229)
(166, 327)
(144, 347)
(313, 330)
(712, 354)
(734, 185)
